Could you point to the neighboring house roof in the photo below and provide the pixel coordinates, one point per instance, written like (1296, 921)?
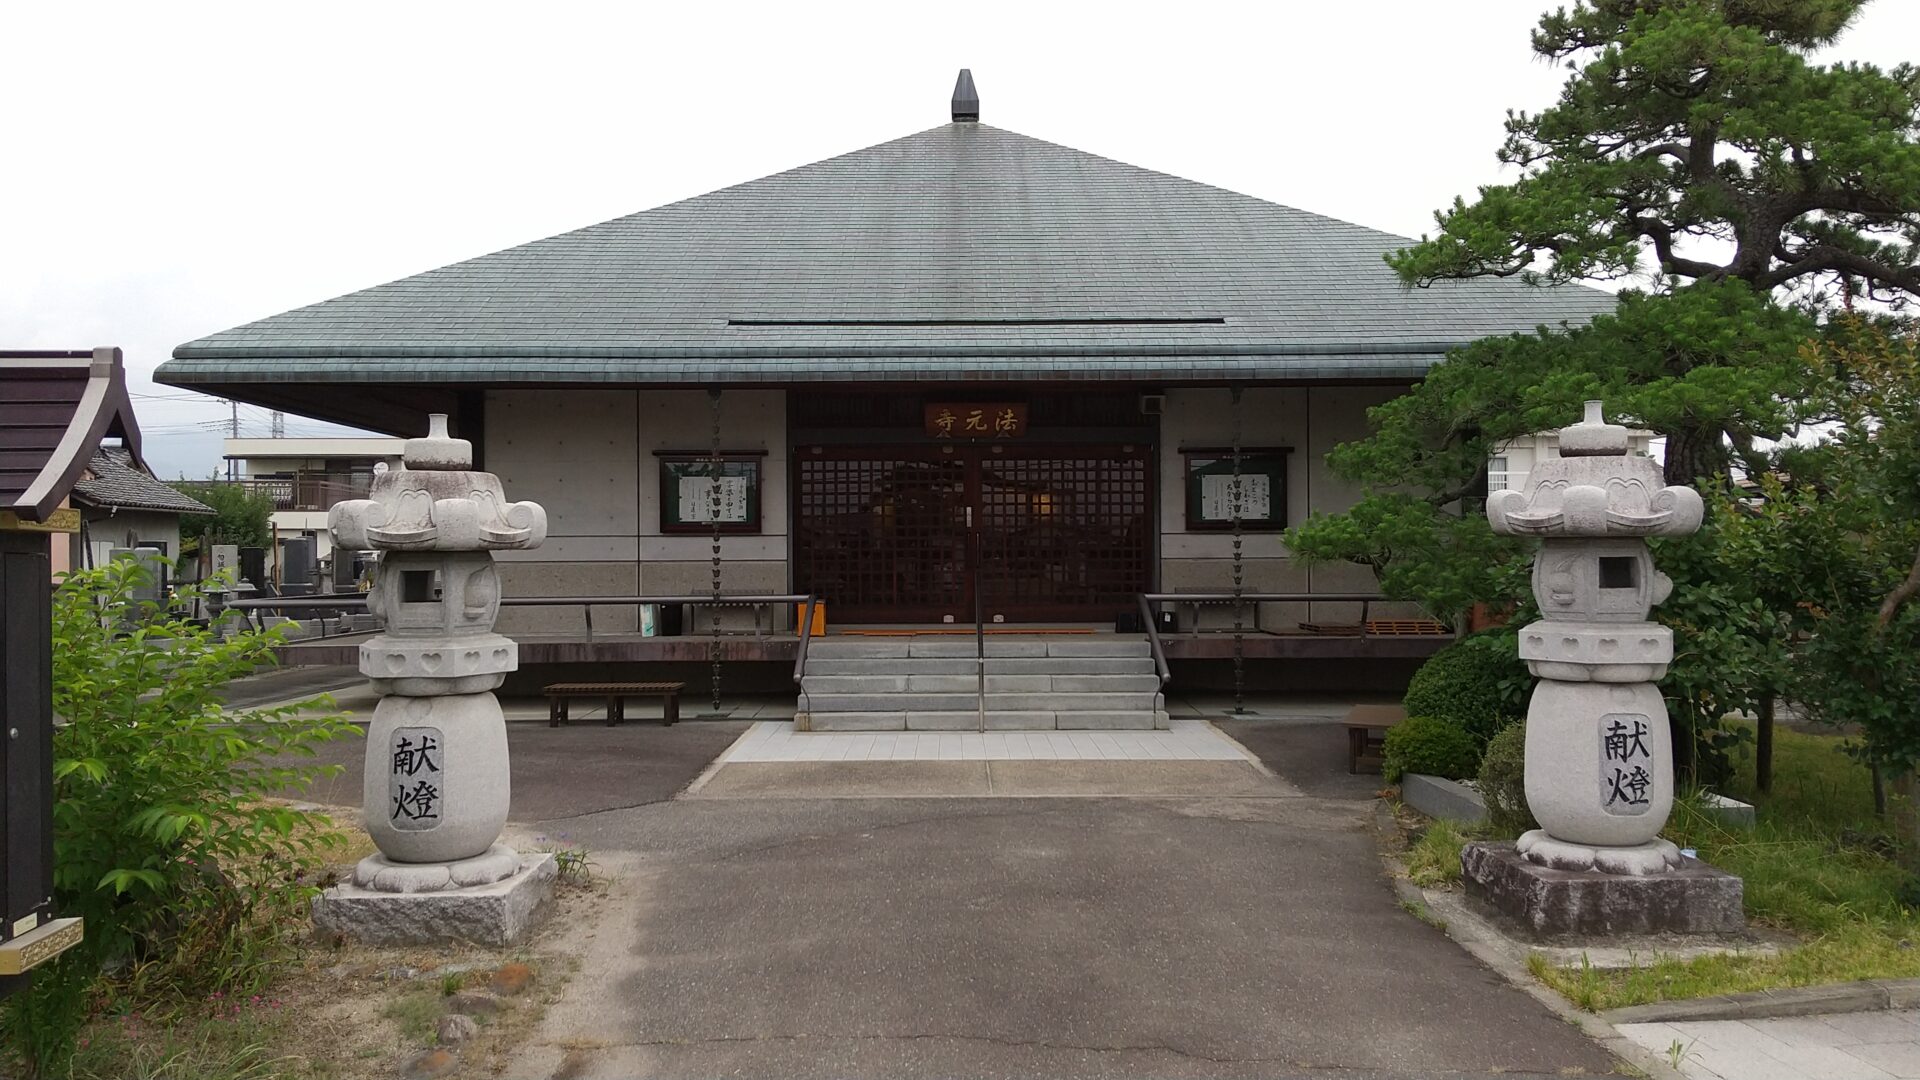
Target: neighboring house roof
(112, 479)
(55, 408)
(961, 252)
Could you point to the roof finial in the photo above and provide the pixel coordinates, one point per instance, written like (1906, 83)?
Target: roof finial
(966, 101)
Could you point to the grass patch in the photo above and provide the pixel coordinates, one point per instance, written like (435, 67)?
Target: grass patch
(1433, 859)
(416, 1013)
(1424, 913)
(227, 1044)
(1816, 864)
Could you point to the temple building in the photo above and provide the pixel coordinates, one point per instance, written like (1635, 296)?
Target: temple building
(965, 363)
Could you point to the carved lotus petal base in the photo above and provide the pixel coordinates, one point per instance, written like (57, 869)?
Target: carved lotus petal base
(382, 874)
(1642, 860)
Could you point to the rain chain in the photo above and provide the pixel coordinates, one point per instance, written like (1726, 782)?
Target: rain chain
(1239, 571)
(715, 470)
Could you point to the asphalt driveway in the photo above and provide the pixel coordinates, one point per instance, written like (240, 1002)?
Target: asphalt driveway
(561, 773)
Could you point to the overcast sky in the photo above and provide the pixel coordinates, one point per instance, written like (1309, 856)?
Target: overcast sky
(173, 170)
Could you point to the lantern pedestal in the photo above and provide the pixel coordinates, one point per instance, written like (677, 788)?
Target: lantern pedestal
(497, 913)
(1548, 904)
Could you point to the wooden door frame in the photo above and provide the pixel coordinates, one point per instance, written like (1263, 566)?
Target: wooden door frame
(974, 458)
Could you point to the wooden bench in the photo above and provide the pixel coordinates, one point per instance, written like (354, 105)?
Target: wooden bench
(1405, 628)
(1367, 735)
(615, 694)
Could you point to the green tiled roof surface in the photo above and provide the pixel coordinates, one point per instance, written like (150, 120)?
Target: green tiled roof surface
(959, 223)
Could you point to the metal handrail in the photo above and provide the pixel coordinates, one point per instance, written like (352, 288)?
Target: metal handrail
(1365, 600)
(251, 605)
(806, 635)
(1149, 600)
(979, 627)
(1153, 642)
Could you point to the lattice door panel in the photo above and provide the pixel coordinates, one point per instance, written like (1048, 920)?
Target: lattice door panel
(1064, 536)
(882, 536)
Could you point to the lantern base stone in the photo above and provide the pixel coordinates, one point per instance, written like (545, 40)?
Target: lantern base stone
(1547, 904)
(499, 913)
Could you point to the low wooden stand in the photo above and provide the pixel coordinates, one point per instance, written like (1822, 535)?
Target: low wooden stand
(1367, 735)
(615, 694)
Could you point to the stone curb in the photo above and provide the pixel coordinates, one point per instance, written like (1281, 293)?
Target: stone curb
(1872, 995)
(1438, 797)
(1595, 1027)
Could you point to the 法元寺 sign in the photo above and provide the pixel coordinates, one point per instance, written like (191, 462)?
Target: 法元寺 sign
(976, 420)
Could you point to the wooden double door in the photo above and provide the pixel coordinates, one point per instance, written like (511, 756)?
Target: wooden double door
(909, 533)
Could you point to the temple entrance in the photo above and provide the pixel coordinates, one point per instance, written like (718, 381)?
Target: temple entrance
(905, 534)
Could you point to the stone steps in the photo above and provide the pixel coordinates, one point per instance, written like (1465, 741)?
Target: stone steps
(1092, 683)
(970, 683)
(907, 701)
(956, 646)
(997, 720)
(996, 665)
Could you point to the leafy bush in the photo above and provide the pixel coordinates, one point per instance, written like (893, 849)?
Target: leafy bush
(190, 881)
(1478, 683)
(1503, 783)
(1422, 744)
(240, 515)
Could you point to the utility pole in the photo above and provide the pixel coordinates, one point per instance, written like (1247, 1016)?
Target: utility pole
(233, 432)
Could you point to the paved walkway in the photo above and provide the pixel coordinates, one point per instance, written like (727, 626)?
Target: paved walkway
(1187, 740)
(1096, 937)
(1843, 1046)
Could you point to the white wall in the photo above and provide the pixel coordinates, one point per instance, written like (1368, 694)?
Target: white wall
(588, 456)
(1310, 420)
(127, 528)
(1524, 453)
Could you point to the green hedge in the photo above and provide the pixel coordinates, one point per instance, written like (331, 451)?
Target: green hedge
(1478, 684)
(1422, 744)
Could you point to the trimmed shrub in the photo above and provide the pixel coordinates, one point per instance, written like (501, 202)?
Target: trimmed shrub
(1477, 683)
(1422, 744)
(167, 836)
(1503, 783)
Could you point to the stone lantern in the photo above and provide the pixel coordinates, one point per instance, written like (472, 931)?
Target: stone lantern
(437, 782)
(1599, 763)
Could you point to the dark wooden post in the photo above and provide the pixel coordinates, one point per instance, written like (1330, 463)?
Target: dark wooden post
(1763, 744)
(26, 737)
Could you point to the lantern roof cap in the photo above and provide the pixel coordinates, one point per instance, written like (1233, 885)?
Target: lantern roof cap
(437, 450)
(1592, 436)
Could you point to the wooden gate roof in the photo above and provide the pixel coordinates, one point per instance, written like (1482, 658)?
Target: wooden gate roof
(55, 407)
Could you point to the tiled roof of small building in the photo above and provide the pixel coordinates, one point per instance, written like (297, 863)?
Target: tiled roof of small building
(963, 251)
(112, 479)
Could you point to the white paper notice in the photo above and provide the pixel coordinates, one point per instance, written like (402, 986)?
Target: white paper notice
(1216, 496)
(696, 499)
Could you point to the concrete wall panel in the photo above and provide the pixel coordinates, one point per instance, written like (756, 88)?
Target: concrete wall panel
(1339, 415)
(567, 579)
(571, 451)
(589, 457)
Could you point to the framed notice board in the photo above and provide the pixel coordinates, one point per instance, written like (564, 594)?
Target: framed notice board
(1262, 488)
(693, 494)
